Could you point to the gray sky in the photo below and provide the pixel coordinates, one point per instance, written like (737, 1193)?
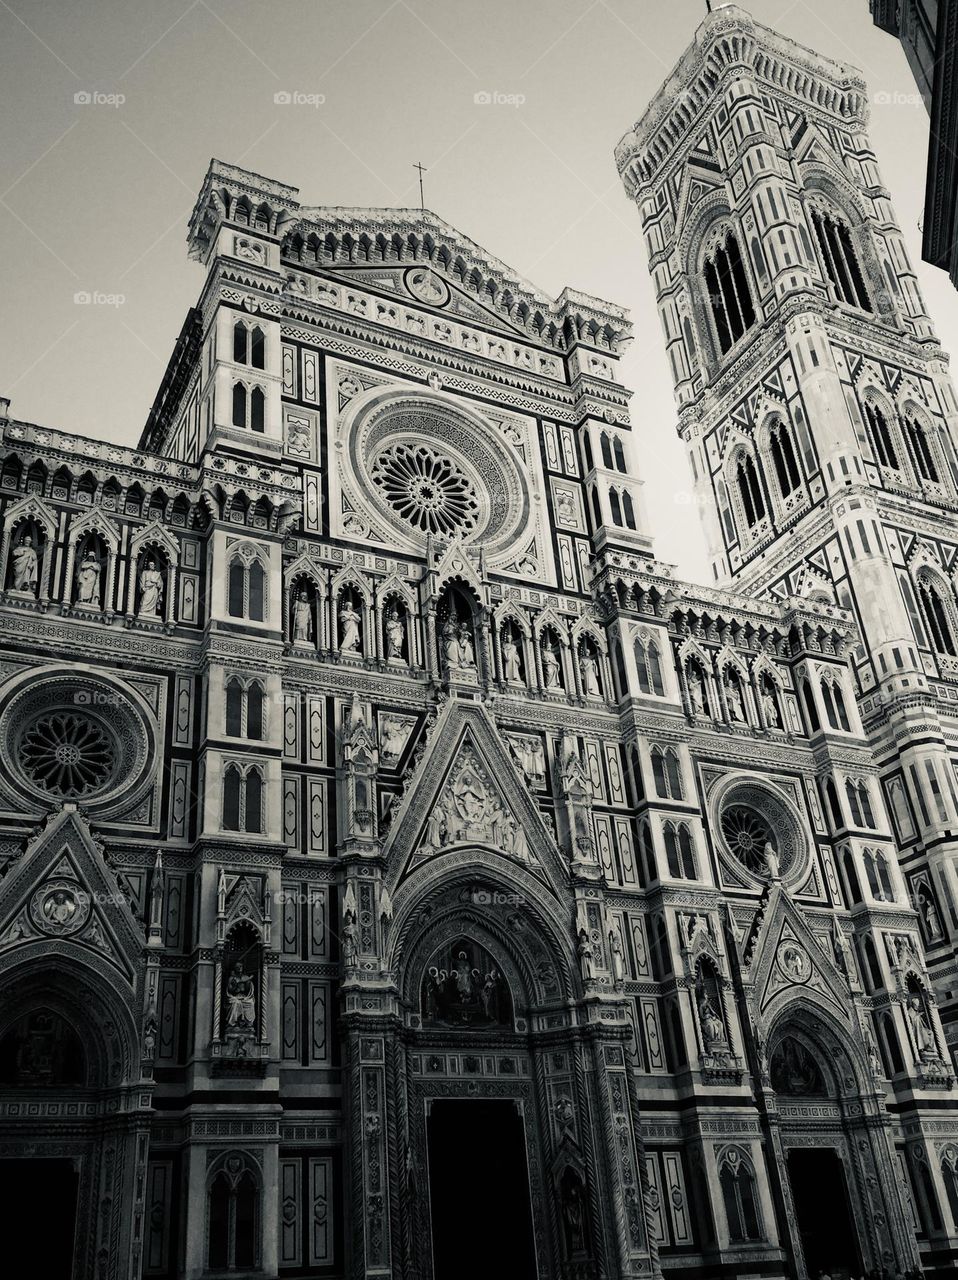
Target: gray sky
(96, 196)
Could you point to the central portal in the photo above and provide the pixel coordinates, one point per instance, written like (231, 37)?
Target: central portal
(820, 1196)
(479, 1192)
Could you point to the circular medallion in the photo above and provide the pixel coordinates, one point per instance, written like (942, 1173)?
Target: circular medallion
(426, 489)
(793, 961)
(425, 285)
(59, 908)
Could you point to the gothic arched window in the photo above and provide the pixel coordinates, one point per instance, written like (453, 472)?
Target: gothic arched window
(840, 259)
(615, 506)
(666, 773)
(738, 1194)
(606, 451)
(233, 1215)
(649, 667)
(628, 510)
(783, 458)
(936, 615)
(243, 799)
(883, 444)
(920, 450)
(246, 589)
(750, 491)
(728, 292)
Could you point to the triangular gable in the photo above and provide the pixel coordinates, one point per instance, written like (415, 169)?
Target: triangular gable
(61, 890)
(787, 960)
(450, 300)
(468, 791)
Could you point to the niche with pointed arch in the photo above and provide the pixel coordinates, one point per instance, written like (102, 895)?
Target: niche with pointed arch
(463, 987)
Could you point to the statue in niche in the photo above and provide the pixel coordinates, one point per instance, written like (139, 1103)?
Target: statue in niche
(349, 626)
(697, 691)
(467, 656)
(618, 960)
(710, 1020)
(921, 1027)
(151, 590)
(586, 954)
(573, 1216)
(590, 674)
(302, 619)
(511, 669)
(929, 914)
(736, 707)
(88, 581)
(770, 705)
(25, 566)
(450, 643)
(464, 987)
(550, 665)
(240, 999)
(395, 635)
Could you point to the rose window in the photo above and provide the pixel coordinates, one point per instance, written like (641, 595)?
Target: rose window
(746, 833)
(426, 489)
(67, 754)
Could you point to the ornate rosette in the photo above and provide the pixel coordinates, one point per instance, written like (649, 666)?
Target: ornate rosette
(59, 908)
(75, 736)
(751, 816)
(427, 468)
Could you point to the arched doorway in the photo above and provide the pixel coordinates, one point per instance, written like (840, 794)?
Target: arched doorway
(816, 1171)
(67, 1178)
(490, 1083)
(836, 1166)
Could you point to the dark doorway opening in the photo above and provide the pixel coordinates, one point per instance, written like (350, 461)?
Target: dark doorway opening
(479, 1192)
(38, 1217)
(824, 1217)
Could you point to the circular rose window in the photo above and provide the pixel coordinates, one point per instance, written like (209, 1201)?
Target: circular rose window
(426, 489)
(424, 467)
(67, 754)
(75, 736)
(760, 830)
(747, 834)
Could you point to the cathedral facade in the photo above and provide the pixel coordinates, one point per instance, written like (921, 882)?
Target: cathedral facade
(403, 874)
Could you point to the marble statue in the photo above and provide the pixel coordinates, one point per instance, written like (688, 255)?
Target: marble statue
(550, 666)
(590, 675)
(240, 998)
(736, 707)
(151, 590)
(349, 628)
(586, 954)
(921, 1028)
(88, 581)
(302, 619)
(25, 566)
(510, 658)
(713, 1028)
(395, 635)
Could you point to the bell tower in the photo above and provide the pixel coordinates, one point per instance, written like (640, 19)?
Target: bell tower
(813, 395)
